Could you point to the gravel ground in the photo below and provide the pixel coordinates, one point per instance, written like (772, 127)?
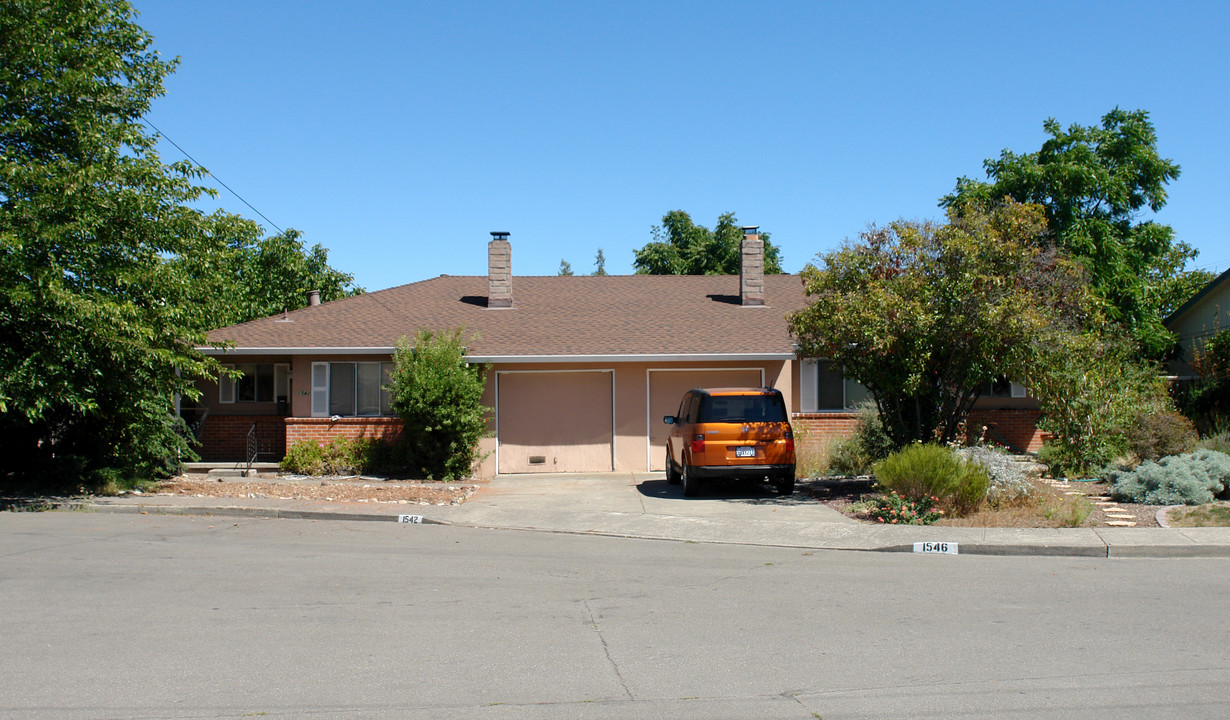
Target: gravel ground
(837, 492)
(333, 489)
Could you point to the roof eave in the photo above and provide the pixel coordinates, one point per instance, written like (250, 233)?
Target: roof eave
(621, 357)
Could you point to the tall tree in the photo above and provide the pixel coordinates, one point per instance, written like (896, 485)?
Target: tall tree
(99, 319)
(925, 315)
(1097, 183)
(246, 275)
(600, 264)
(565, 268)
(681, 247)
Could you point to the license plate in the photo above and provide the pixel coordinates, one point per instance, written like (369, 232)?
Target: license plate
(745, 451)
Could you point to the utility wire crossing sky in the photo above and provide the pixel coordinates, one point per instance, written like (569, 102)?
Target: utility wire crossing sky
(398, 135)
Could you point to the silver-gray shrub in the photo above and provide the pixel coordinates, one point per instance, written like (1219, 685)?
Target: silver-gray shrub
(1188, 479)
(1009, 482)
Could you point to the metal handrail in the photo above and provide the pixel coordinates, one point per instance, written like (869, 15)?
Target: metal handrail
(253, 449)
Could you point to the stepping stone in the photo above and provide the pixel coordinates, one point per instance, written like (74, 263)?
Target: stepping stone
(1074, 492)
(1121, 523)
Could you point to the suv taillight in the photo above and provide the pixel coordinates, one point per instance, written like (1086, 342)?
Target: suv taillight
(698, 443)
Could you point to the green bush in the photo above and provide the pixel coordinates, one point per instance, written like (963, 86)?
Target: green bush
(856, 454)
(341, 456)
(934, 471)
(1153, 435)
(1089, 387)
(438, 395)
(1191, 479)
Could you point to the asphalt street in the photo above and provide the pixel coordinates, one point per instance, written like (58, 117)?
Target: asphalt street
(135, 616)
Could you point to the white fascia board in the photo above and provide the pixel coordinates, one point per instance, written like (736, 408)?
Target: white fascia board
(210, 350)
(659, 357)
(655, 357)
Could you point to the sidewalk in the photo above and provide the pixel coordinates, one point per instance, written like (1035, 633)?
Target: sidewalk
(643, 505)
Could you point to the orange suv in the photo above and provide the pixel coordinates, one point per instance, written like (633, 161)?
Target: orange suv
(730, 433)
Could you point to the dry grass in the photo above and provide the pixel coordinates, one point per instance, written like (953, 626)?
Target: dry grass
(1214, 515)
(811, 459)
(1046, 507)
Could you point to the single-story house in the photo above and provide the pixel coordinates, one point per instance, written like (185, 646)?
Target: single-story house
(582, 368)
(1197, 320)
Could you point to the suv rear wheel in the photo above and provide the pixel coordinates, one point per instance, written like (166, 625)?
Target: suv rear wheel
(691, 486)
(784, 485)
(672, 475)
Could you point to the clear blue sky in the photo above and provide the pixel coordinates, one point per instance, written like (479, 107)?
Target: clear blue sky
(398, 134)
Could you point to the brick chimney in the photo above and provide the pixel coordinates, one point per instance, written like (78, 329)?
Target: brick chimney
(751, 267)
(499, 271)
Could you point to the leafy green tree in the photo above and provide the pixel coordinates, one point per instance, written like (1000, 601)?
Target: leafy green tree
(97, 328)
(681, 247)
(1090, 386)
(109, 279)
(438, 395)
(1180, 287)
(245, 276)
(925, 315)
(565, 268)
(1096, 184)
(600, 264)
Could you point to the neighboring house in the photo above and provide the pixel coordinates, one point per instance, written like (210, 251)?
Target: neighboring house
(1199, 319)
(582, 368)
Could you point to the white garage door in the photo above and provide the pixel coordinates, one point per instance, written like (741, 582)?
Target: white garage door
(666, 388)
(553, 422)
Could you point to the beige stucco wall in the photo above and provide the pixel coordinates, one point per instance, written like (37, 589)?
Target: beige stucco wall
(632, 451)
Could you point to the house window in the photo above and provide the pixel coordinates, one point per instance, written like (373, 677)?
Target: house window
(351, 389)
(259, 383)
(824, 387)
(1001, 387)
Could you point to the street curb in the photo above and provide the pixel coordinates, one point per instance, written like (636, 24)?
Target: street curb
(1098, 551)
(245, 512)
(1101, 550)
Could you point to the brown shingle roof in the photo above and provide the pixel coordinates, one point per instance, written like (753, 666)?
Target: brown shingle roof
(551, 316)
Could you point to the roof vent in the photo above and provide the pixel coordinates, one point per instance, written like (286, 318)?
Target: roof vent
(313, 298)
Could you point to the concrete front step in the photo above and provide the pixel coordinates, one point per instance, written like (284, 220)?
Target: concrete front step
(221, 469)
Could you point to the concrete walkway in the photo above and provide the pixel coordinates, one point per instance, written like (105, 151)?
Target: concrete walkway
(643, 505)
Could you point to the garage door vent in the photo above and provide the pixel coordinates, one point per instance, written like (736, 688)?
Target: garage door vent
(538, 459)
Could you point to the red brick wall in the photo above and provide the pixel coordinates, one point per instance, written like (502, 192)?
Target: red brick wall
(814, 431)
(323, 430)
(1018, 426)
(225, 437)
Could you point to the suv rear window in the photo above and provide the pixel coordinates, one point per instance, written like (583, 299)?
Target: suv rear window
(743, 408)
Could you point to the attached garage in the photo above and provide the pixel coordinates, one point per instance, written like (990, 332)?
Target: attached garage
(554, 421)
(667, 386)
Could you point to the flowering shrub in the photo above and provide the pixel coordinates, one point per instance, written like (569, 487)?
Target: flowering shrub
(895, 510)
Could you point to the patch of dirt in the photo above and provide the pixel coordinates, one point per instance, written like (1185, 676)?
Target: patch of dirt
(326, 489)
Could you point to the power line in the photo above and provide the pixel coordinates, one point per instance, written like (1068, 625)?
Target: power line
(207, 172)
